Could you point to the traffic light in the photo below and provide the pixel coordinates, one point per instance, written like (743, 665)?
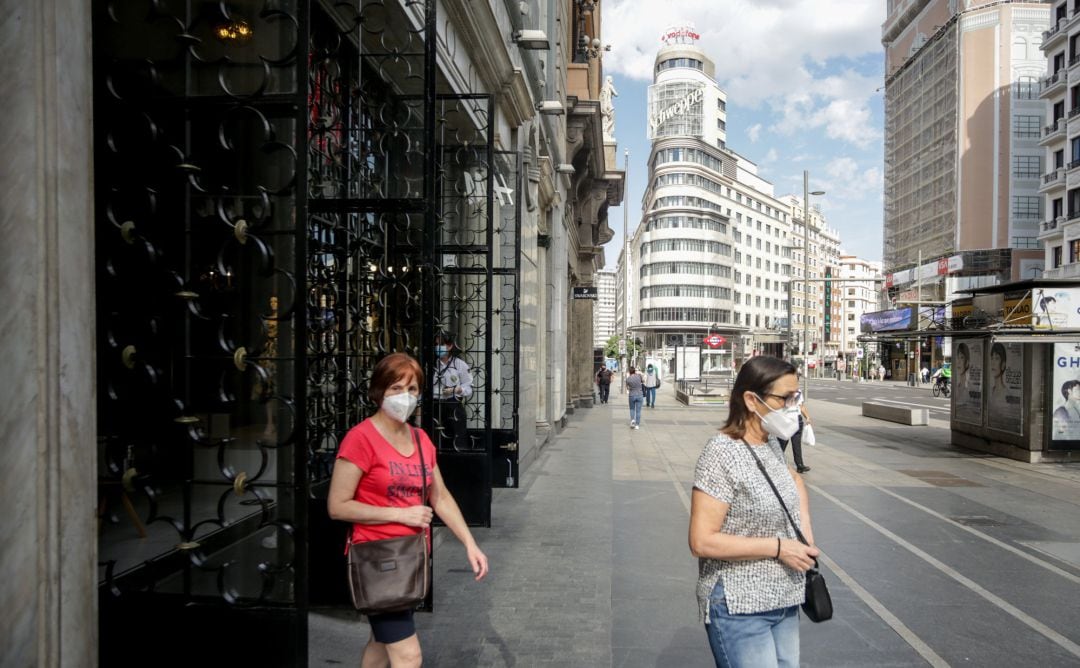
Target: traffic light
(813, 347)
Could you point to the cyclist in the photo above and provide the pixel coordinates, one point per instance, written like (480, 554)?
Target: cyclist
(942, 375)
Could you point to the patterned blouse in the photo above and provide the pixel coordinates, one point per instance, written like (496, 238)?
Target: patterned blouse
(727, 472)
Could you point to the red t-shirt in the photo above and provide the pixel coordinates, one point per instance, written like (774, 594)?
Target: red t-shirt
(390, 480)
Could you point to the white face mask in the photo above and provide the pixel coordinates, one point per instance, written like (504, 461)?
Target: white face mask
(781, 423)
(399, 406)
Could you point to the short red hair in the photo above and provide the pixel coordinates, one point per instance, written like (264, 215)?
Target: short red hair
(391, 369)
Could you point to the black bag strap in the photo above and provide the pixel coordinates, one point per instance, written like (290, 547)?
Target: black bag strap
(423, 469)
(761, 467)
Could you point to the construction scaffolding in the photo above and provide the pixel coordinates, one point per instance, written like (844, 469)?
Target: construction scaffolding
(921, 106)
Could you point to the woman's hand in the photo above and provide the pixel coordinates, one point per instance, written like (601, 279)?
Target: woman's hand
(797, 556)
(416, 516)
(478, 561)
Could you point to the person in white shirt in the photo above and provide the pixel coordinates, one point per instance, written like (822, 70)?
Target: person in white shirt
(453, 386)
(652, 381)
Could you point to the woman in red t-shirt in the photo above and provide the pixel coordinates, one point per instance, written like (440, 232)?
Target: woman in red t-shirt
(376, 486)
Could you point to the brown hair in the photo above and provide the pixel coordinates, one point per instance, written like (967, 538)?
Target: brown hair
(757, 376)
(391, 369)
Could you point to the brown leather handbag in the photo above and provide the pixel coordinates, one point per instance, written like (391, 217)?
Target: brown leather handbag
(391, 575)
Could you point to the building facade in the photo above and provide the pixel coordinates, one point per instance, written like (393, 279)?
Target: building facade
(815, 305)
(280, 198)
(713, 248)
(604, 314)
(1060, 91)
(962, 131)
(859, 293)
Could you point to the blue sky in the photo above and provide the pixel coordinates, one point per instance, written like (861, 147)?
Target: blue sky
(803, 81)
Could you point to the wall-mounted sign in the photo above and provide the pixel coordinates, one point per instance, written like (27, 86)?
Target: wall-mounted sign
(939, 267)
(1055, 308)
(886, 321)
(715, 340)
(588, 292)
(1016, 308)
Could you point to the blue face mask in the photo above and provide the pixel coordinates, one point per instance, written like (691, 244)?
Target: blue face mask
(442, 351)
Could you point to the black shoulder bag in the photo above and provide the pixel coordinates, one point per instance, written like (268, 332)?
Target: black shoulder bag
(391, 575)
(818, 603)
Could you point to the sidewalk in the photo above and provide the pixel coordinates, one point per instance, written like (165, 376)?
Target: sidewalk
(933, 554)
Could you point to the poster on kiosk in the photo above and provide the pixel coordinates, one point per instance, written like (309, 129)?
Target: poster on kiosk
(1005, 387)
(967, 374)
(1065, 394)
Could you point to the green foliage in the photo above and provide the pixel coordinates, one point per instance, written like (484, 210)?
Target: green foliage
(611, 347)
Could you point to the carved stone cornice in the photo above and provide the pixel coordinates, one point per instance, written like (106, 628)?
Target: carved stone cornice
(584, 130)
(477, 24)
(517, 100)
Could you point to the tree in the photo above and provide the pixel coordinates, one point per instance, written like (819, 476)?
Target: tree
(611, 347)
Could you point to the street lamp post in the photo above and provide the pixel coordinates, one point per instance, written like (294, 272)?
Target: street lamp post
(626, 274)
(806, 266)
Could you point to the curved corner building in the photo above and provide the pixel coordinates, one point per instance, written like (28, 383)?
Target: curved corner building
(714, 243)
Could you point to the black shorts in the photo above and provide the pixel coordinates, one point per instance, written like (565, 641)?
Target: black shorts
(392, 626)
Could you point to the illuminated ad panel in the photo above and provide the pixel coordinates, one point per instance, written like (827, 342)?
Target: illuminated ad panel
(676, 109)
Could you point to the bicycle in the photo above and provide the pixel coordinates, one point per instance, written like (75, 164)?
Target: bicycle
(941, 387)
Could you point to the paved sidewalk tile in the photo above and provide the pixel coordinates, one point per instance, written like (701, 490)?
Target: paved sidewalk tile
(945, 556)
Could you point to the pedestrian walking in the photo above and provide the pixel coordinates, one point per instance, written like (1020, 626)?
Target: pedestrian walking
(881, 373)
(925, 375)
(603, 383)
(751, 573)
(376, 485)
(796, 439)
(652, 381)
(635, 390)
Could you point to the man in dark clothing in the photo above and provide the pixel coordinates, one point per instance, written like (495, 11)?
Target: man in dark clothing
(603, 381)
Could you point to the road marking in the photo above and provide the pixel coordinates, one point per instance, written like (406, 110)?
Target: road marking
(886, 615)
(990, 539)
(1005, 606)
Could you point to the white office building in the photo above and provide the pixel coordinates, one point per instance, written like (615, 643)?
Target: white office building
(713, 250)
(604, 309)
(856, 298)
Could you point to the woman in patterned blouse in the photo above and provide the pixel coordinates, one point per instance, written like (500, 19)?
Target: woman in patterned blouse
(751, 569)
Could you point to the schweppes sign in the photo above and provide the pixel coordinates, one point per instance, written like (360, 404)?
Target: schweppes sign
(677, 109)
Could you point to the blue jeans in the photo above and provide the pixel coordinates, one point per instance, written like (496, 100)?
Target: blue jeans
(756, 640)
(635, 408)
(650, 396)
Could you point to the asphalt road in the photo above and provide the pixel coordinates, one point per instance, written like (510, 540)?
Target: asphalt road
(850, 393)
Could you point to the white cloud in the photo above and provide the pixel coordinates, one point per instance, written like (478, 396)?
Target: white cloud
(771, 156)
(846, 180)
(753, 132)
(767, 52)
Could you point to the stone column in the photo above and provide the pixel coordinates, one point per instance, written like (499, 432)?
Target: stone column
(48, 607)
(581, 353)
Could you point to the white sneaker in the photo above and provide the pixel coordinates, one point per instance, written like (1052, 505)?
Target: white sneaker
(637, 426)
(632, 424)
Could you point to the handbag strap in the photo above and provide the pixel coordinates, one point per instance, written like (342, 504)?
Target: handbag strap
(423, 469)
(761, 467)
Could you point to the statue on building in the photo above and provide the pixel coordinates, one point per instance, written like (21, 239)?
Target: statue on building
(607, 106)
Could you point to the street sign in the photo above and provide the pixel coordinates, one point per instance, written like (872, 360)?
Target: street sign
(587, 292)
(715, 340)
